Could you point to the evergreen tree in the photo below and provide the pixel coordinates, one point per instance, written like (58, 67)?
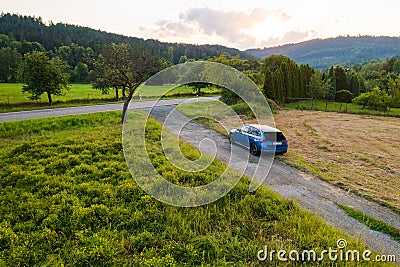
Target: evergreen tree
(268, 87)
(278, 81)
(341, 79)
(332, 90)
(354, 84)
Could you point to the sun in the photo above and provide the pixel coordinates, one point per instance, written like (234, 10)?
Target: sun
(270, 30)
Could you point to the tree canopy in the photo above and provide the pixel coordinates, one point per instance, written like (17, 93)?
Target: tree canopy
(43, 75)
(124, 67)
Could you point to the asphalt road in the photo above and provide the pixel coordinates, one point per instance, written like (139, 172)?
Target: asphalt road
(55, 112)
(311, 193)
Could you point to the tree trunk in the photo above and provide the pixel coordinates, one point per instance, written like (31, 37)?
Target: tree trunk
(127, 99)
(116, 94)
(50, 99)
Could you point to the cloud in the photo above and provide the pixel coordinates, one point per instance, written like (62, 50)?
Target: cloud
(230, 27)
(228, 23)
(297, 36)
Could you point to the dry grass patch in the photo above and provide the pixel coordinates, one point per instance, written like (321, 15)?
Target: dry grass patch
(358, 152)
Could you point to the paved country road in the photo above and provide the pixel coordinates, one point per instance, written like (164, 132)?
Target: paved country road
(311, 193)
(54, 112)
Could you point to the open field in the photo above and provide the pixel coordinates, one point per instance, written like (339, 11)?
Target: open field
(357, 152)
(67, 198)
(12, 98)
(11, 94)
(340, 107)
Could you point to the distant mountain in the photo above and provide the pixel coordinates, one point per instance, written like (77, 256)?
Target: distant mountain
(321, 54)
(51, 36)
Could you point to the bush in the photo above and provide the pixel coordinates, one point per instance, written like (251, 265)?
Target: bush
(376, 99)
(243, 109)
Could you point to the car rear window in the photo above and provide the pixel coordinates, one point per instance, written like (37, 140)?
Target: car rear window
(277, 136)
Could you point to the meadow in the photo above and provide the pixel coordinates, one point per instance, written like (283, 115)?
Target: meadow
(68, 199)
(11, 95)
(13, 99)
(358, 153)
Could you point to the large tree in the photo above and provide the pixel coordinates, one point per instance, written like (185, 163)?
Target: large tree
(43, 75)
(125, 67)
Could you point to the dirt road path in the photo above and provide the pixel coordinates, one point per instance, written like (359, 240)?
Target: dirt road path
(311, 193)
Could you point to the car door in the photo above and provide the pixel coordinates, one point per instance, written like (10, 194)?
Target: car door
(253, 135)
(241, 137)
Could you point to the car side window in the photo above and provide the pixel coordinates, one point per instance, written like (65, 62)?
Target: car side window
(246, 129)
(256, 132)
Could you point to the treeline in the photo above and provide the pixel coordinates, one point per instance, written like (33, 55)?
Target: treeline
(284, 81)
(80, 59)
(373, 84)
(52, 36)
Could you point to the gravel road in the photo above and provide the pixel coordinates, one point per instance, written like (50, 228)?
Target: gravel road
(311, 193)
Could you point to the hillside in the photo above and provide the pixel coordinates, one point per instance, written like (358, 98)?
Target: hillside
(51, 36)
(321, 54)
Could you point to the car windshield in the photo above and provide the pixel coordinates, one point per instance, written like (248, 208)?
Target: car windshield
(274, 136)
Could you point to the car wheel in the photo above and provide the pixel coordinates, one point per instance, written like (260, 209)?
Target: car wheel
(254, 150)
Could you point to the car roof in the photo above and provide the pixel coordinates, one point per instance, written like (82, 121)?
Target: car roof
(265, 128)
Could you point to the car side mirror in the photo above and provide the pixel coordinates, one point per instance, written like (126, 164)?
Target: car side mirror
(239, 129)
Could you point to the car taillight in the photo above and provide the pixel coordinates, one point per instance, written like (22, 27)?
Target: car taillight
(285, 141)
(262, 141)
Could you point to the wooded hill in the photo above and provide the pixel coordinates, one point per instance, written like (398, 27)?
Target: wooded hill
(345, 51)
(51, 36)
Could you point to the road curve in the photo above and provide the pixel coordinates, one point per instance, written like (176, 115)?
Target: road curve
(55, 112)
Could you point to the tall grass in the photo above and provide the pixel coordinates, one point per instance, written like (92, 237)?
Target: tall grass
(37, 126)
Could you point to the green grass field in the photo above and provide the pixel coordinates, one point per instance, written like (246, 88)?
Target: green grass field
(11, 93)
(340, 107)
(68, 199)
(156, 91)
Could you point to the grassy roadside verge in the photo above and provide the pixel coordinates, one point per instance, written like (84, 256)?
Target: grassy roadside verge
(67, 198)
(372, 223)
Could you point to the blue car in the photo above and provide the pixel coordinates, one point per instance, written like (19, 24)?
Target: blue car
(259, 139)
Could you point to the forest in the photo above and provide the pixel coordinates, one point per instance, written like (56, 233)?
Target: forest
(28, 29)
(78, 52)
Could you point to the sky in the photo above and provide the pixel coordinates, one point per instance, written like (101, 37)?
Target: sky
(241, 24)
